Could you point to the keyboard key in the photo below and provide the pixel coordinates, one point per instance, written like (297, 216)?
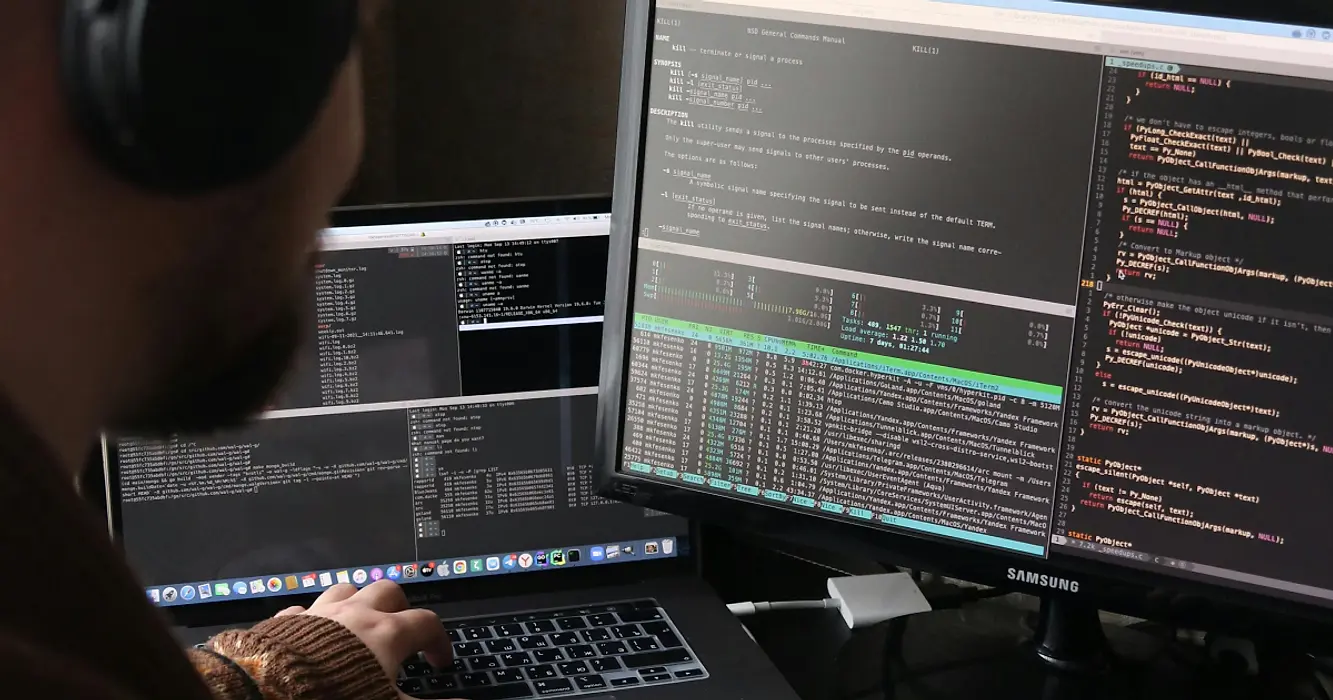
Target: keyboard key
(512, 629)
(571, 623)
(484, 663)
(509, 691)
(473, 680)
(439, 684)
(533, 641)
(500, 646)
(656, 627)
(410, 686)
(468, 649)
(645, 615)
(553, 686)
(580, 651)
(537, 673)
(690, 673)
(590, 682)
(413, 669)
(595, 635)
(652, 670)
(458, 666)
(454, 636)
(641, 604)
(546, 656)
(604, 664)
(612, 648)
(657, 678)
(621, 682)
(627, 631)
(521, 658)
(643, 644)
(603, 620)
(573, 668)
(508, 675)
(564, 639)
(541, 626)
(473, 634)
(657, 658)
(669, 640)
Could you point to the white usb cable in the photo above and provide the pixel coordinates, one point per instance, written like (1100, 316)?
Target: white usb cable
(863, 601)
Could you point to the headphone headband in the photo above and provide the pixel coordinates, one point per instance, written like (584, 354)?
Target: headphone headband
(187, 96)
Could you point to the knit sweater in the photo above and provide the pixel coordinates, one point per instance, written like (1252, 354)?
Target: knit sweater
(74, 622)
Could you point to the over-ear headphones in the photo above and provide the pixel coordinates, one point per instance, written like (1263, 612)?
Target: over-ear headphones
(187, 96)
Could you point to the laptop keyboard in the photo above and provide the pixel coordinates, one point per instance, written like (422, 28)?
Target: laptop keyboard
(565, 651)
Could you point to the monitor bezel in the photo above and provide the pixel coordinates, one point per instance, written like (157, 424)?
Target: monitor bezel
(101, 483)
(1147, 594)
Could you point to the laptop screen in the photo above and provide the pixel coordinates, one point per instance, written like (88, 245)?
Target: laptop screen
(438, 424)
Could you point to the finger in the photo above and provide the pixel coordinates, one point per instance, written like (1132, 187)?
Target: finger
(421, 630)
(294, 610)
(384, 595)
(338, 593)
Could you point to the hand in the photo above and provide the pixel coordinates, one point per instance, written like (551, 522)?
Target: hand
(379, 616)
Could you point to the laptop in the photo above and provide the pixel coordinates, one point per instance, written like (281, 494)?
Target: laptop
(438, 431)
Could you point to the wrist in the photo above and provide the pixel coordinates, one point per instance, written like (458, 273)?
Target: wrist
(303, 657)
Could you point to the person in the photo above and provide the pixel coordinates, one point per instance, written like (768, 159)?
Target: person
(126, 309)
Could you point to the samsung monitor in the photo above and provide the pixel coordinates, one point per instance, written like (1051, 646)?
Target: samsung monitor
(1036, 294)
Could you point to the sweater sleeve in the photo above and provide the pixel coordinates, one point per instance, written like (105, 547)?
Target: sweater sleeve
(294, 657)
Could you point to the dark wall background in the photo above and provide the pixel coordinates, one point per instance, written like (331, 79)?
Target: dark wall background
(502, 98)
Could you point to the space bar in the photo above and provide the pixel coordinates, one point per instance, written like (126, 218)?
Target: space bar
(657, 658)
(507, 691)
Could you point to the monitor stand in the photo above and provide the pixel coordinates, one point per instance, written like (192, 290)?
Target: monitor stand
(1069, 637)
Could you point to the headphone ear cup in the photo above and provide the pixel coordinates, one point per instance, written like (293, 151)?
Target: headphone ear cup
(187, 96)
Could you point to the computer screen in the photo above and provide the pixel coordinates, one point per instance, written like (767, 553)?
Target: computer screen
(1022, 277)
(439, 424)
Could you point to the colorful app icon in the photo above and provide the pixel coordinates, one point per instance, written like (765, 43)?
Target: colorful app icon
(650, 548)
(460, 567)
(442, 569)
(343, 576)
(492, 563)
(510, 561)
(395, 572)
(257, 586)
(597, 554)
(155, 595)
(205, 591)
(169, 594)
(187, 592)
(612, 551)
(475, 566)
(409, 571)
(525, 561)
(240, 588)
(557, 557)
(360, 576)
(627, 549)
(326, 579)
(221, 589)
(668, 546)
(274, 584)
(309, 581)
(573, 556)
(428, 569)
(377, 574)
(293, 583)
(541, 559)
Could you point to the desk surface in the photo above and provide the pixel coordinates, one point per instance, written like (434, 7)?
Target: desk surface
(980, 652)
